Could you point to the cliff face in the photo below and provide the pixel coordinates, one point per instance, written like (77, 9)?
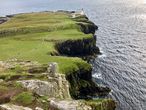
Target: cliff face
(81, 84)
(80, 48)
(81, 80)
(49, 89)
(66, 82)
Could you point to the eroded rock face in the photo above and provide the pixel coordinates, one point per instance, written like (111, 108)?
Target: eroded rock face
(13, 107)
(41, 87)
(68, 105)
(54, 87)
(85, 47)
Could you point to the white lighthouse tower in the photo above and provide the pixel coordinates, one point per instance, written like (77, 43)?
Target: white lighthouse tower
(82, 12)
(78, 13)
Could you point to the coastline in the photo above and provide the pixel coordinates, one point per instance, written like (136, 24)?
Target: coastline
(80, 81)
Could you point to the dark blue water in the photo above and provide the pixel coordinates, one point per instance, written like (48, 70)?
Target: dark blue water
(121, 37)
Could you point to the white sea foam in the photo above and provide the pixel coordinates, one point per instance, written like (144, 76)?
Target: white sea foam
(102, 56)
(97, 75)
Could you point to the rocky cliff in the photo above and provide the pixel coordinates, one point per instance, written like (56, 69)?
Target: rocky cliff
(65, 81)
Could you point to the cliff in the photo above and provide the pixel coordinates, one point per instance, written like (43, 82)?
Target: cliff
(42, 64)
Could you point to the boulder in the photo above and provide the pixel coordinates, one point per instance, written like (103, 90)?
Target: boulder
(13, 107)
(68, 105)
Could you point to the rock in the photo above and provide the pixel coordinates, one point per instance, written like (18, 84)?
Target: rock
(68, 105)
(1, 80)
(63, 85)
(3, 19)
(30, 67)
(23, 66)
(37, 108)
(13, 107)
(4, 66)
(52, 69)
(42, 88)
(85, 47)
(37, 69)
(54, 87)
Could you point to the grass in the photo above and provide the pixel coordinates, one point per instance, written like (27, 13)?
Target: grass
(24, 98)
(33, 36)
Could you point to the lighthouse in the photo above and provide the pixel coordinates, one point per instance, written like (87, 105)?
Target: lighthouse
(82, 12)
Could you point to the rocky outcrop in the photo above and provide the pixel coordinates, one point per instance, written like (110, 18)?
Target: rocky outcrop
(13, 107)
(42, 88)
(88, 27)
(85, 24)
(28, 66)
(13, 63)
(80, 48)
(3, 19)
(68, 105)
(4, 66)
(55, 86)
(82, 86)
(46, 88)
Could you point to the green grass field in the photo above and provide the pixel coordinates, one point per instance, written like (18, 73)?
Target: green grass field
(32, 37)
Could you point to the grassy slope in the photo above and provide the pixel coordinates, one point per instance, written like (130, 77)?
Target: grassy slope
(32, 37)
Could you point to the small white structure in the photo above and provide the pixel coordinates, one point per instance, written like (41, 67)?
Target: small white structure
(78, 13)
(82, 12)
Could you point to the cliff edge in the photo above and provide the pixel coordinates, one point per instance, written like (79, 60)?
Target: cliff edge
(42, 63)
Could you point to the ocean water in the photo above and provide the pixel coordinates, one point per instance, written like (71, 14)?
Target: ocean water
(121, 38)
